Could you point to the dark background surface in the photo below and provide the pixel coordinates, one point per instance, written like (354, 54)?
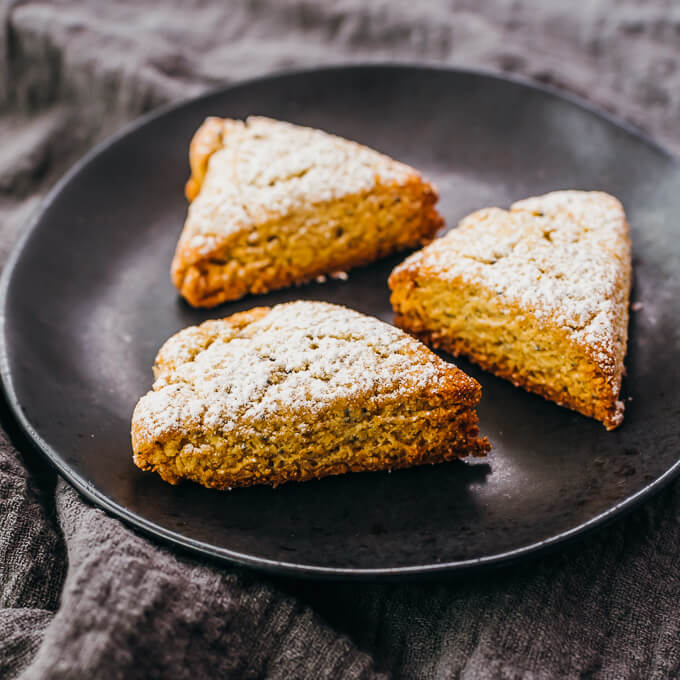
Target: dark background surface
(102, 248)
(80, 595)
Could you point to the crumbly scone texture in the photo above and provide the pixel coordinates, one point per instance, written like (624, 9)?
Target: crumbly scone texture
(538, 294)
(275, 204)
(300, 391)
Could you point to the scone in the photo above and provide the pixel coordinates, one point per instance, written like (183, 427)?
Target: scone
(538, 295)
(275, 204)
(298, 391)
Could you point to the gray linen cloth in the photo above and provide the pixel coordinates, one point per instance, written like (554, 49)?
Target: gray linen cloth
(82, 596)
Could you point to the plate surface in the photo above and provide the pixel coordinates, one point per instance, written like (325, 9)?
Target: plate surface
(87, 301)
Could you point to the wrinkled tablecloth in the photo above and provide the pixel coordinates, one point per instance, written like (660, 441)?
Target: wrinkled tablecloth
(83, 596)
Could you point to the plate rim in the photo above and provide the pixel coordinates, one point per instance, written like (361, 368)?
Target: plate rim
(150, 528)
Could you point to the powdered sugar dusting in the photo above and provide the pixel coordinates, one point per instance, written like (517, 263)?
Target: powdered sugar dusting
(300, 356)
(564, 256)
(268, 168)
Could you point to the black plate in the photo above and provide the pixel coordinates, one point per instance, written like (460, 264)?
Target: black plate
(88, 300)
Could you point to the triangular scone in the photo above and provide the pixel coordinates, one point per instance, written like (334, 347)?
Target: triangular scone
(538, 295)
(275, 204)
(298, 391)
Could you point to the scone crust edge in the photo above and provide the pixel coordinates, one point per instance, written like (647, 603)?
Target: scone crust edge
(468, 424)
(608, 409)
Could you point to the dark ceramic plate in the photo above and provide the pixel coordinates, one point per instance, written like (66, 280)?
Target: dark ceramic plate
(87, 301)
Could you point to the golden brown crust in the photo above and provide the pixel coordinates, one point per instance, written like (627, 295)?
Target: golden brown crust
(211, 281)
(459, 439)
(350, 414)
(329, 206)
(208, 138)
(601, 407)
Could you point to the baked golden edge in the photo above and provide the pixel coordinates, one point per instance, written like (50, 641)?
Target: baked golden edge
(461, 389)
(606, 408)
(192, 272)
